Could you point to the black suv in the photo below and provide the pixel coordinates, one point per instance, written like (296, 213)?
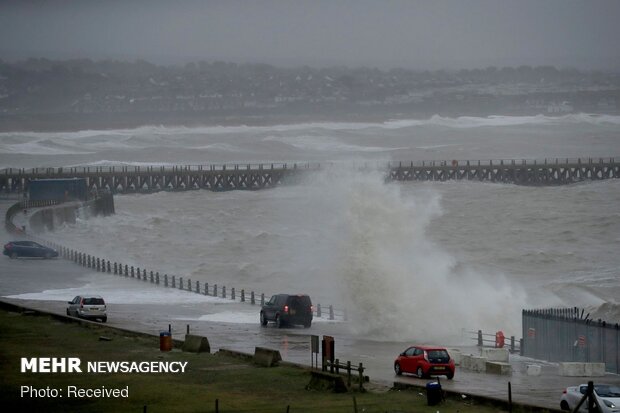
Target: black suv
(287, 309)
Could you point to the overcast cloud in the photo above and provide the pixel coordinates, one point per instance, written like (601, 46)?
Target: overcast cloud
(449, 34)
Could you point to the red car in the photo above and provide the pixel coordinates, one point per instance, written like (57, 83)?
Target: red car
(425, 361)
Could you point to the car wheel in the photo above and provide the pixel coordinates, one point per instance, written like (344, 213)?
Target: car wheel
(104, 319)
(263, 320)
(397, 369)
(564, 405)
(48, 255)
(450, 376)
(13, 255)
(308, 324)
(419, 372)
(68, 312)
(278, 322)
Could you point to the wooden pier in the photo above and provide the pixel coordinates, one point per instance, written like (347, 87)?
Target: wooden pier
(259, 176)
(521, 172)
(153, 179)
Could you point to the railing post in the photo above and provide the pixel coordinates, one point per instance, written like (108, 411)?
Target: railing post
(206, 288)
(349, 373)
(480, 343)
(331, 312)
(318, 310)
(361, 370)
(157, 278)
(243, 296)
(232, 293)
(215, 290)
(174, 281)
(262, 298)
(252, 300)
(223, 291)
(180, 283)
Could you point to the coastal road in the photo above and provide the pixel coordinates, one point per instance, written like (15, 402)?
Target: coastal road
(141, 306)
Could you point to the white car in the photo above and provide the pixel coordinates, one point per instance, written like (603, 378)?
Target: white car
(89, 307)
(608, 397)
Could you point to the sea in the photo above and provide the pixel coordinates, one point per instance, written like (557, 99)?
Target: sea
(400, 257)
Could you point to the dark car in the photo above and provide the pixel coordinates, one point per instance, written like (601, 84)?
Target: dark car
(287, 309)
(16, 249)
(425, 361)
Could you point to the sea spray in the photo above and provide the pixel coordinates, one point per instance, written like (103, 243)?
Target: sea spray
(397, 283)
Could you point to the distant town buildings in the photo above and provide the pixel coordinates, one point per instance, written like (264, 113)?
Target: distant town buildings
(87, 87)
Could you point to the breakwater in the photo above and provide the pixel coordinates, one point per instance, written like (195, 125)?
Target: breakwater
(521, 172)
(260, 176)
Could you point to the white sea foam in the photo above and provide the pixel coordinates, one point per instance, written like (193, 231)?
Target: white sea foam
(325, 144)
(42, 148)
(219, 146)
(435, 120)
(119, 291)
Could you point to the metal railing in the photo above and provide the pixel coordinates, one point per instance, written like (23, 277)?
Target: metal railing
(566, 334)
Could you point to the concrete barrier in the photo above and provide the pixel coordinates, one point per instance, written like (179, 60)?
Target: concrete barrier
(466, 361)
(478, 364)
(455, 354)
(266, 357)
(196, 344)
(473, 363)
(594, 369)
(533, 369)
(498, 367)
(320, 380)
(577, 369)
(495, 354)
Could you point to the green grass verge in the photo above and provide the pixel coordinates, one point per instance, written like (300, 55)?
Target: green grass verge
(238, 386)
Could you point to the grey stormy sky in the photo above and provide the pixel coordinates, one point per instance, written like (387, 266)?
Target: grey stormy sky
(437, 34)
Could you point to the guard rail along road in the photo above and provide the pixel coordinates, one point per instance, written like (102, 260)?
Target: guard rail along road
(127, 179)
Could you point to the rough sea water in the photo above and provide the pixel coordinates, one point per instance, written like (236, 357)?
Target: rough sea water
(399, 256)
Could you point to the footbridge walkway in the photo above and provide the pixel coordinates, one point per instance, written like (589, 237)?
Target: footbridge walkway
(258, 176)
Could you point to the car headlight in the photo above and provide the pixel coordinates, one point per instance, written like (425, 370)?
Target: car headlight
(609, 404)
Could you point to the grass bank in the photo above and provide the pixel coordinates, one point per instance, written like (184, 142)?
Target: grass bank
(238, 386)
